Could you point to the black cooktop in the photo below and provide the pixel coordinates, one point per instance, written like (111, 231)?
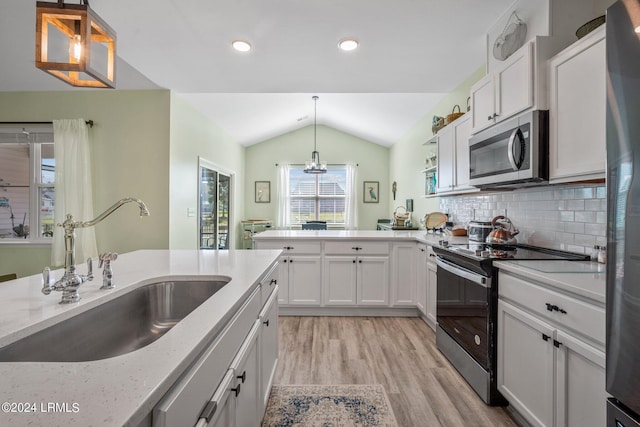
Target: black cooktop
(483, 251)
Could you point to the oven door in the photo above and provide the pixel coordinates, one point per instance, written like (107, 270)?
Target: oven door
(463, 309)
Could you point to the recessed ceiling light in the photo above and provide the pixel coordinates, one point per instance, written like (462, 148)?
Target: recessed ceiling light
(348, 44)
(241, 45)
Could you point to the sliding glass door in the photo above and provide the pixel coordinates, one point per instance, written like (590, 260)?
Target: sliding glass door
(214, 207)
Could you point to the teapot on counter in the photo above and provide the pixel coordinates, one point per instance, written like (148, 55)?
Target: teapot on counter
(504, 231)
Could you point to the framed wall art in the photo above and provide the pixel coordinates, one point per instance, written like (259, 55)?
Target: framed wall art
(263, 191)
(371, 192)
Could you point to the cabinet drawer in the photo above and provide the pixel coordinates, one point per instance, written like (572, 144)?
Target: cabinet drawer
(357, 248)
(582, 317)
(268, 283)
(182, 405)
(290, 246)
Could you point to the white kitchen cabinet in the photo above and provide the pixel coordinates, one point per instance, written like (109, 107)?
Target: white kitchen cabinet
(225, 410)
(560, 340)
(505, 92)
(268, 348)
(580, 383)
(356, 273)
(432, 288)
(403, 282)
(304, 279)
(526, 363)
(453, 157)
(577, 110)
(241, 359)
(421, 278)
(340, 279)
(299, 270)
(373, 280)
(446, 159)
(246, 367)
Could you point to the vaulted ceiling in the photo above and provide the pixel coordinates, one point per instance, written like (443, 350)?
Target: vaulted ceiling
(411, 54)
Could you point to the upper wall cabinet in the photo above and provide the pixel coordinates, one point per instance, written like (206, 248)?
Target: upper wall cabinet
(453, 157)
(577, 110)
(506, 91)
(520, 82)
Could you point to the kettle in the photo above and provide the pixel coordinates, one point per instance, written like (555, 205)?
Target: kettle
(503, 232)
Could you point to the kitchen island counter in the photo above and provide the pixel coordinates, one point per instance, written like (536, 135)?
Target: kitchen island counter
(121, 390)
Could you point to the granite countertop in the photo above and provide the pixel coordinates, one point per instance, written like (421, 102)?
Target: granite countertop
(121, 390)
(421, 236)
(584, 278)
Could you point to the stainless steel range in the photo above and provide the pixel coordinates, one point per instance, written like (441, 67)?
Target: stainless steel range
(467, 303)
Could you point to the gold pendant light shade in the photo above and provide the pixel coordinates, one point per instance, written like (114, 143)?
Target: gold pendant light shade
(75, 45)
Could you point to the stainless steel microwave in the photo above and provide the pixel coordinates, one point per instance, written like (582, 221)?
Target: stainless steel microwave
(512, 153)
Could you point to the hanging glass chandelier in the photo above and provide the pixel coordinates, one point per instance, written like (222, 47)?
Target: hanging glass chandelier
(315, 165)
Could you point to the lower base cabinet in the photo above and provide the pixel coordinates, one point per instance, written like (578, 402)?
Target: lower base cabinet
(421, 279)
(549, 376)
(245, 356)
(432, 294)
(268, 348)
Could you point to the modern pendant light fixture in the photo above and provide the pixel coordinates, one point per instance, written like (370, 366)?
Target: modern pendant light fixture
(314, 165)
(75, 45)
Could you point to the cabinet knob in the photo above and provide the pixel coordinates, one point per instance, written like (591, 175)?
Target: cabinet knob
(432, 255)
(243, 377)
(285, 260)
(557, 343)
(273, 282)
(266, 322)
(236, 390)
(545, 337)
(360, 261)
(489, 117)
(354, 261)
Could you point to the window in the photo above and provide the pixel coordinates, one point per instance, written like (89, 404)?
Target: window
(27, 173)
(321, 197)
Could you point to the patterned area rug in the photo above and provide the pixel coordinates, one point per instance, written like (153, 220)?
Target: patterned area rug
(328, 406)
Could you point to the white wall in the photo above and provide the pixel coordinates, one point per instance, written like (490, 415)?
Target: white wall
(193, 135)
(334, 147)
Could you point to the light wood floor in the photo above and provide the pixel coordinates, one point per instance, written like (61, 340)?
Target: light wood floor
(399, 353)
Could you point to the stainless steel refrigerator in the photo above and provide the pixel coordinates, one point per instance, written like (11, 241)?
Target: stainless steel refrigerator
(623, 213)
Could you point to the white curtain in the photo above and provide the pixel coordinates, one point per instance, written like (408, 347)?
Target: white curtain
(73, 191)
(351, 211)
(283, 215)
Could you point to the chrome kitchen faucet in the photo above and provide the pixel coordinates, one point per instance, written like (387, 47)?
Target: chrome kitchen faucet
(69, 283)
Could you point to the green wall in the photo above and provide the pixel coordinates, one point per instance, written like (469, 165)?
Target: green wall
(334, 147)
(193, 135)
(407, 156)
(130, 157)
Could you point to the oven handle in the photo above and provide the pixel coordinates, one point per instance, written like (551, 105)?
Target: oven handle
(469, 275)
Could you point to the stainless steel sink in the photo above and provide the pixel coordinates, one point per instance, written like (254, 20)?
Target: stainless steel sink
(119, 326)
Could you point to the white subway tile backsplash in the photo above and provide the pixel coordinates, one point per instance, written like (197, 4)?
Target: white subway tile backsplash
(575, 205)
(574, 227)
(568, 217)
(585, 216)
